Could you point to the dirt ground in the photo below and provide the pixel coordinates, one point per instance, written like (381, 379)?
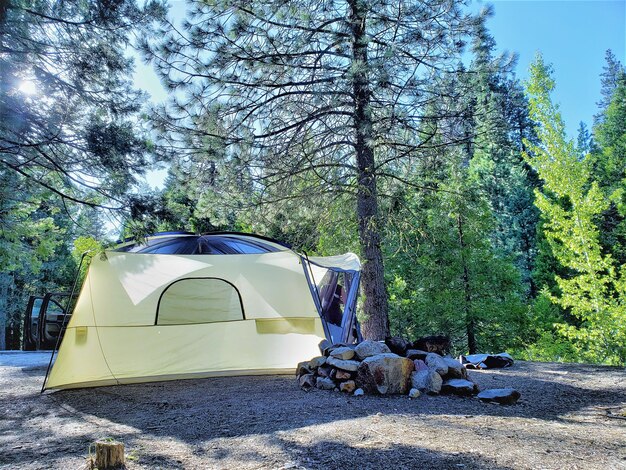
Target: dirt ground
(567, 418)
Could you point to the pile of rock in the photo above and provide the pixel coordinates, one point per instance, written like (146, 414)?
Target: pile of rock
(372, 367)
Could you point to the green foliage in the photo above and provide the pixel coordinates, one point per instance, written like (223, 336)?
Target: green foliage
(571, 204)
(445, 276)
(34, 255)
(88, 247)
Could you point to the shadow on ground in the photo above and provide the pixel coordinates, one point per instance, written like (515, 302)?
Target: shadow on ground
(215, 417)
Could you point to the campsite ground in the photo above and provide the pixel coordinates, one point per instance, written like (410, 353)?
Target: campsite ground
(567, 419)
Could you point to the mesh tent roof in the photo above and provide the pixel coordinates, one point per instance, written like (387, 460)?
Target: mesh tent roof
(224, 243)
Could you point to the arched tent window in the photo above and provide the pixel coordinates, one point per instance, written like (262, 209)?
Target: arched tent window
(199, 300)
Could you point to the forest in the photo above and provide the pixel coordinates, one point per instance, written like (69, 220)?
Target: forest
(392, 129)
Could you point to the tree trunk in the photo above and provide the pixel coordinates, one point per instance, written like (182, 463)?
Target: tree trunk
(5, 282)
(109, 455)
(376, 323)
(470, 324)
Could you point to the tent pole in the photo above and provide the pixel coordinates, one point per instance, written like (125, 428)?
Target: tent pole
(63, 324)
(317, 298)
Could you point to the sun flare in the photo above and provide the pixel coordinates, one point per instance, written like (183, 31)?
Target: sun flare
(27, 87)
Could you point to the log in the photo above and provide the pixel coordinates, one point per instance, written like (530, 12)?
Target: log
(109, 454)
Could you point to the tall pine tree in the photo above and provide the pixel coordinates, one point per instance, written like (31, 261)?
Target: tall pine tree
(320, 96)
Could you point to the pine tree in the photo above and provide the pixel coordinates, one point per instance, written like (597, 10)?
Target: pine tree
(608, 163)
(609, 79)
(446, 276)
(497, 123)
(317, 98)
(68, 113)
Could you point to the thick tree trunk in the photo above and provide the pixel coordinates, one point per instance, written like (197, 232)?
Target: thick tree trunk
(376, 323)
(470, 324)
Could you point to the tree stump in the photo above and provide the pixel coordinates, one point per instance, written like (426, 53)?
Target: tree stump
(109, 454)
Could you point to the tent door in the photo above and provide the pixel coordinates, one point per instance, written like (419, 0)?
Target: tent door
(335, 297)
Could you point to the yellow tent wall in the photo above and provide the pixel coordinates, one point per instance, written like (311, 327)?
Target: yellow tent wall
(112, 337)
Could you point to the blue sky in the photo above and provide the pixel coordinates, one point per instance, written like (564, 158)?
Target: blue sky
(572, 35)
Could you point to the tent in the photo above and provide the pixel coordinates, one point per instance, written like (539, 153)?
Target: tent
(179, 305)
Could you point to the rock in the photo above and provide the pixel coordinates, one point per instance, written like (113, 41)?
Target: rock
(342, 353)
(420, 365)
(307, 382)
(324, 345)
(324, 371)
(414, 393)
(436, 363)
(303, 369)
(326, 348)
(460, 387)
(397, 345)
(504, 396)
(487, 361)
(331, 348)
(350, 366)
(456, 370)
(439, 344)
(342, 375)
(369, 348)
(416, 354)
(316, 362)
(427, 381)
(325, 383)
(348, 386)
(385, 374)
(359, 392)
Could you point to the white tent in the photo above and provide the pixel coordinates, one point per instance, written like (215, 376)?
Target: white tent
(182, 306)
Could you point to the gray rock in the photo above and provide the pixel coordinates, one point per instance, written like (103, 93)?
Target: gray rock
(385, 374)
(350, 366)
(303, 369)
(427, 381)
(324, 371)
(420, 365)
(329, 349)
(416, 354)
(316, 362)
(369, 348)
(359, 392)
(325, 383)
(343, 353)
(504, 396)
(414, 393)
(456, 370)
(460, 387)
(436, 363)
(307, 382)
(348, 386)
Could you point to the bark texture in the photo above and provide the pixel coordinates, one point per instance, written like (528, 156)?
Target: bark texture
(376, 324)
(109, 455)
(470, 323)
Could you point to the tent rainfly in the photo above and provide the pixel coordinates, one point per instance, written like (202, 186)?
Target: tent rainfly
(184, 306)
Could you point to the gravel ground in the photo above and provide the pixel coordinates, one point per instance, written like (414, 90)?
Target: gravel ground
(568, 418)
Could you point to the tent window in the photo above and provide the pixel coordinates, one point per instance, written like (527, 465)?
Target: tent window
(199, 300)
